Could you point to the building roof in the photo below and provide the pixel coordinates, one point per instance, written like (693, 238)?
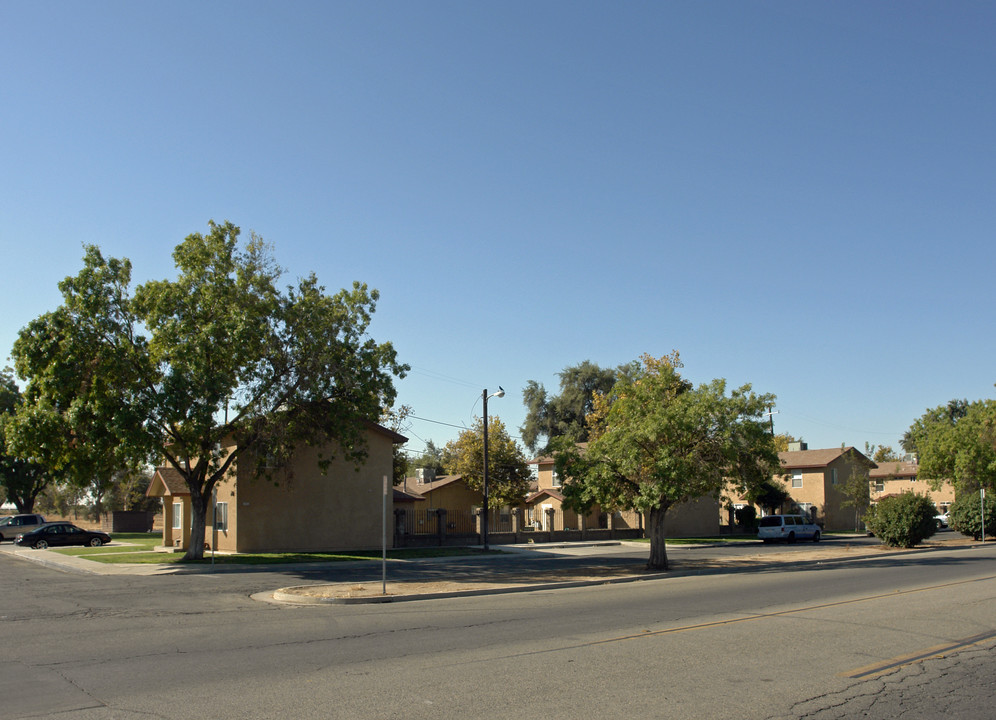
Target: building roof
(412, 485)
(401, 496)
(896, 468)
(793, 459)
(395, 438)
(167, 481)
(556, 495)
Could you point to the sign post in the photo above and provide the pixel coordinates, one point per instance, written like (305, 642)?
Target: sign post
(383, 557)
(982, 511)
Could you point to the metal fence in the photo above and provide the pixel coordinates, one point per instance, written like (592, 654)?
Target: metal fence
(421, 527)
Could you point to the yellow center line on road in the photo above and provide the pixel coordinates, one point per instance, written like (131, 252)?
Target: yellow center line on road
(900, 660)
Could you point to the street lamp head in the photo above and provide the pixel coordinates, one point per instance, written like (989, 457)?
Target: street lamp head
(501, 392)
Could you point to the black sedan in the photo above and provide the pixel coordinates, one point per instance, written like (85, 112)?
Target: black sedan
(62, 533)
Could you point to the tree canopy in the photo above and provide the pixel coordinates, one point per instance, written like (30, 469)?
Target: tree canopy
(508, 472)
(22, 479)
(881, 453)
(430, 459)
(564, 415)
(221, 353)
(657, 441)
(956, 442)
(782, 441)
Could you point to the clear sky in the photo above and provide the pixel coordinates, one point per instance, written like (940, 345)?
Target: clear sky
(801, 196)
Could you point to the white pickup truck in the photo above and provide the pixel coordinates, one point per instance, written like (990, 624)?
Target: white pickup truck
(787, 528)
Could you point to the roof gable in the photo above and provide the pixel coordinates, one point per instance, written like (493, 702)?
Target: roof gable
(799, 459)
(433, 484)
(549, 492)
(167, 482)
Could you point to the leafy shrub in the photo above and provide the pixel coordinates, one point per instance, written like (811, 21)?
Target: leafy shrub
(902, 520)
(747, 517)
(964, 515)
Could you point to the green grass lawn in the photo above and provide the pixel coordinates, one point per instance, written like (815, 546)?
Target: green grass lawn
(137, 548)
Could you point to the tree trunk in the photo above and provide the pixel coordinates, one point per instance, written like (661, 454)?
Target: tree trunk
(198, 516)
(658, 550)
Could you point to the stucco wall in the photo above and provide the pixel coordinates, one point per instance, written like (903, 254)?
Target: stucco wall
(943, 497)
(453, 497)
(695, 518)
(308, 511)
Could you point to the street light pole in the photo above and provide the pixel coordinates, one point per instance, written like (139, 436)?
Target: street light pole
(771, 417)
(484, 511)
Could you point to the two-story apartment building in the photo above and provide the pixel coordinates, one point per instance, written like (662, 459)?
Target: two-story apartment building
(695, 518)
(895, 477)
(814, 480)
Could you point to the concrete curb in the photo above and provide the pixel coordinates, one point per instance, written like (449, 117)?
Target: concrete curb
(283, 595)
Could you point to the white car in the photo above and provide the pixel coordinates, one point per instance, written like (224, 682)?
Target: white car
(787, 528)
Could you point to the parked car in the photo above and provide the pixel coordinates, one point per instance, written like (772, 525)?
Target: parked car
(941, 521)
(62, 533)
(11, 527)
(788, 528)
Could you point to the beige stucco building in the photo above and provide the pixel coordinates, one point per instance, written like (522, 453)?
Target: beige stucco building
(298, 510)
(814, 480)
(893, 478)
(695, 518)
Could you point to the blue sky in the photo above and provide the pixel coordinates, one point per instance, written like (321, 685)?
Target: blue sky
(801, 196)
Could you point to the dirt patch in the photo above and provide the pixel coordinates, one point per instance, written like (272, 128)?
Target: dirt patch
(489, 581)
(524, 580)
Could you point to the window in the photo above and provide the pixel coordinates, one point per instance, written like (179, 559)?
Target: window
(797, 480)
(556, 479)
(221, 516)
(880, 486)
(833, 476)
(177, 515)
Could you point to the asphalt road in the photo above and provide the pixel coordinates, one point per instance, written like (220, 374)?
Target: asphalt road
(877, 638)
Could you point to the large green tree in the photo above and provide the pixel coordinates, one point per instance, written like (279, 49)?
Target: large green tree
(956, 442)
(182, 367)
(564, 415)
(856, 489)
(430, 459)
(881, 453)
(657, 441)
(22, 479)
(508, 471)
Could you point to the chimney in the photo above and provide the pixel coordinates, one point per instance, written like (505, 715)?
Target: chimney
(425, 475)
